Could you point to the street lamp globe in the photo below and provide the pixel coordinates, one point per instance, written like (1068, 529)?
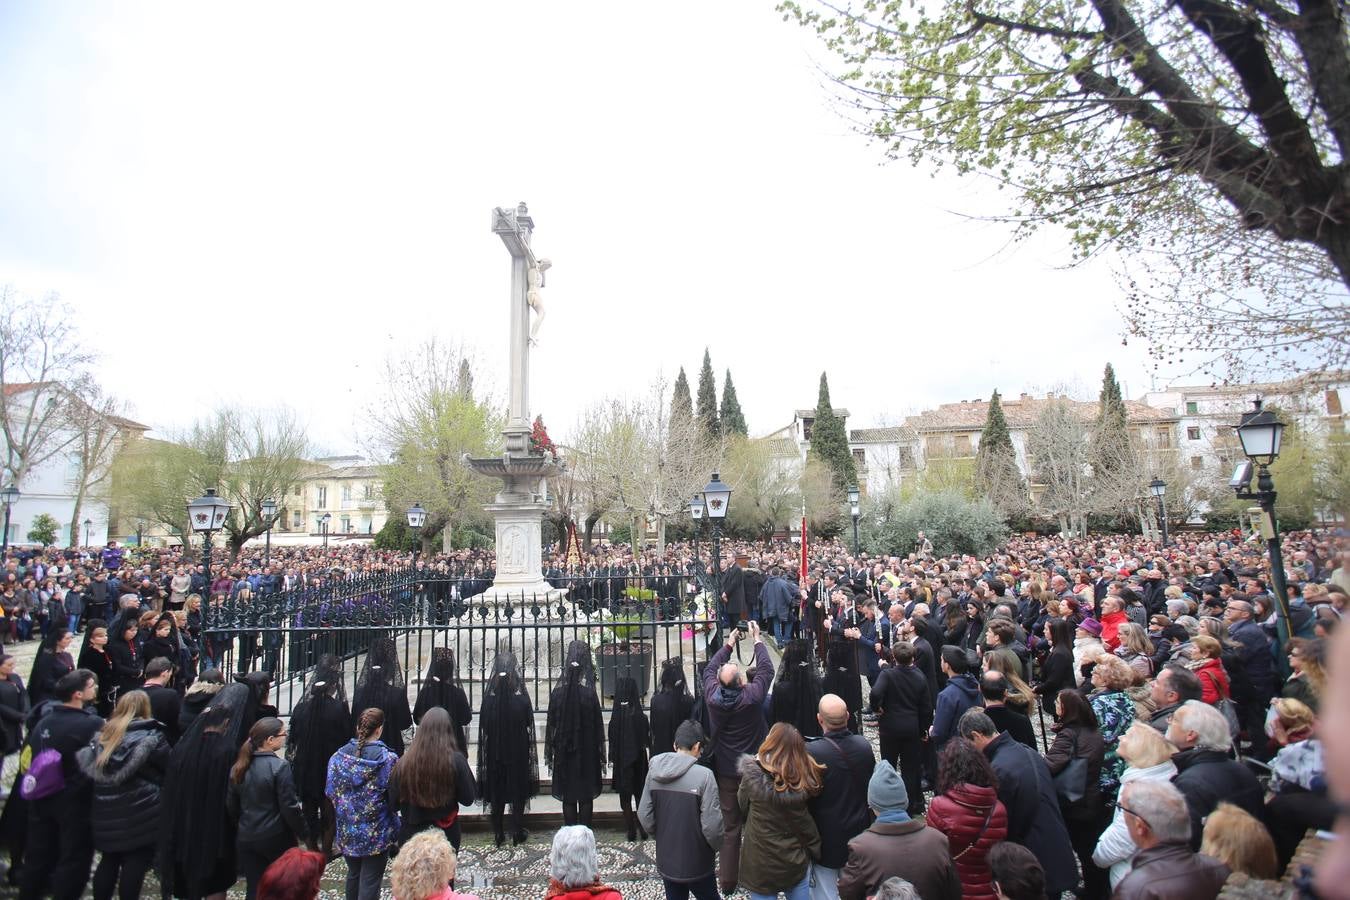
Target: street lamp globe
(88, 522)
(207, 513)
(696, 507)
(417, 516)
(716, 498)
(1157, 487)
(325, 519)
(1260, 433)
(10, 494)
(853, 497)
(269, 508)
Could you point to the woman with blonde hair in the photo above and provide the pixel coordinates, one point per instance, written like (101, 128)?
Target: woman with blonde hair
(1136, 648)
(779, 838)
(1207, 664)
(126, 764)
(1309, 678)
(424, 868)
(1237, 839)
(1019, 695)
(1148, 757)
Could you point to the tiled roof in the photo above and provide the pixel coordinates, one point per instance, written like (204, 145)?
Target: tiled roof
(893, 435)
(782, 446)
(1022, 412)
(21, 387)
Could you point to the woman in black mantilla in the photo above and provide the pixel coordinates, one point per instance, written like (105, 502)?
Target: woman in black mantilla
(630, 741)
(319, 728)
(574, 739)
(197, 838)
(671, 705)
(441, 688)
(842, 679)
(381, 686)
(797, 691)
(508, 767)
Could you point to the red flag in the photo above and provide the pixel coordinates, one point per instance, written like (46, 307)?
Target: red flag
(802, 581)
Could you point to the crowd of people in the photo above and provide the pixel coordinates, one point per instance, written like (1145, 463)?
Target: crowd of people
(1106, 715)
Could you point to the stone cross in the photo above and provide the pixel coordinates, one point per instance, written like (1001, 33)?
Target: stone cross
(514, 227)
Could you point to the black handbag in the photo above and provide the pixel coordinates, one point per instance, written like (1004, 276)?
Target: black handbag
(1071, 781)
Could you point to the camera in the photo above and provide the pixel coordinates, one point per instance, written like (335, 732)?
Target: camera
(1242, 476)
(743, 626)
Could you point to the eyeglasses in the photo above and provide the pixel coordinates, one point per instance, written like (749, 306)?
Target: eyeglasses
(1123, 808)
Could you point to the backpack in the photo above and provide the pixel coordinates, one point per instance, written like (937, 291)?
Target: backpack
(44, 777)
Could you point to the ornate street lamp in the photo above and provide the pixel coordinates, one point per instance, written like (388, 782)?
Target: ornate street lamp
(269, 514)
(1158, 488)
(1261, 434)
(696, 514)
(855, 510)
(11, 496)
(417, 517)
(206, 515)
(716, 500)
(88, 523)
(323, 526)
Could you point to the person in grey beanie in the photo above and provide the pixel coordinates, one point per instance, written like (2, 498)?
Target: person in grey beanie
(896, 845)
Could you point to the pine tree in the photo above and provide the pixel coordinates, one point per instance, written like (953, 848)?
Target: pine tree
(464, 382)
(829, 442)
(1111, 445)
(681, 404)
(707, 399)
(996, 474)
(733, 420)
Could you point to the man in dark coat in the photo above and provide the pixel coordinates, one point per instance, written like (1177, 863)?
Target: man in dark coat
(1257, 662)
(994, 690)
(736, 716)
(1027, 789)
(1165, 865)
(1205, 775)
(776, 600)
(165, 702)
(840, 809)
(733, 592)
(905, 704)
(60, 846)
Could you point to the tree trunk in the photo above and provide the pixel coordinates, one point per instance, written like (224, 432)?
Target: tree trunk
(1338, 249)
(589, 533)
(661, 536)
(75, 518)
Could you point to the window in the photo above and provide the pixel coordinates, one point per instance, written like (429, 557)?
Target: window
(806, 429)
(906, 458)
(296, 520)
(1333, 403)
(368, 492)
(1197, 463)
(932, 447)
(346, 493)
(962, 445)
(346, 524)
(860, 459)
(321, 497)
(366, 525)
(1162, 438)
(1192, 434)
(1192, 408)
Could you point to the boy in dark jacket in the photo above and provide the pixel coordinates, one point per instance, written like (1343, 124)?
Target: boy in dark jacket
(680, 808)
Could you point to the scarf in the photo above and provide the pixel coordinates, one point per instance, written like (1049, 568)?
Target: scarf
(893, 817)
(555, 889)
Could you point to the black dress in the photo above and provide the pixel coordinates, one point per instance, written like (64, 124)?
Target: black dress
(797, 691)
(381, 686)
(14, 707)
(630, 739)
(126, 661)
(508, 765)
(671, 706)
(574, 739)
(439, 689)
(320, 726)
(101, 664)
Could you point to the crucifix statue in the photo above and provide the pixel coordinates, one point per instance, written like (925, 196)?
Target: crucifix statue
(514, 227)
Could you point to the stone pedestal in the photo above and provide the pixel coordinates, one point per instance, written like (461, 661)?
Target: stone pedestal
(519, 513)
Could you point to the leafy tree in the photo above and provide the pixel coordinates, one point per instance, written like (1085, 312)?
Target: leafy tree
(396, 535)
(891, 523)
(1195, 129)
(427, 421)
(44, 529)
(829, 441)
(706, 410)
(997, 476)
(733, 420)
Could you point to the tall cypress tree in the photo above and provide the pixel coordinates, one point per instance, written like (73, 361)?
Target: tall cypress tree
(707, 399)
(681, 404)
(996, 474)
(1111, 445)
(829, 441)
(733, 420)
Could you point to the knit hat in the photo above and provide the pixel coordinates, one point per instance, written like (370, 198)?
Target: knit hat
(886, 792)
(1091, 626)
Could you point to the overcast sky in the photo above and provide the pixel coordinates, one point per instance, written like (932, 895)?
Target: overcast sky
(306, 188)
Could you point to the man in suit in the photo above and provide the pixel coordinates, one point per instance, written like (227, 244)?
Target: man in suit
(733, 592)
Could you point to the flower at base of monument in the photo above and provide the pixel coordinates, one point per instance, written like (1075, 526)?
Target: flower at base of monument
(540, 442)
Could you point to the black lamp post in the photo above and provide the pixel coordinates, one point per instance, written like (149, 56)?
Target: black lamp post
(207, 514)
(1158, 488)
(269, 514)
(417, 517)
(88, 523)
(323, 526)
(716, 499)
(696, 513)
(11, 496)
(855, 511)
(1261, 434)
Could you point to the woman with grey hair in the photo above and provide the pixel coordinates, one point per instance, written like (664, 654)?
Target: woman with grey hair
(573, 868)
(896, 888)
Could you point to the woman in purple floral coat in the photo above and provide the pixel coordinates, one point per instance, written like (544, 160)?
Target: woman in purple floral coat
(367, 828)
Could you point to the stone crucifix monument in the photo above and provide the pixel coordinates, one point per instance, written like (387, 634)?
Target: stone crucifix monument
(518, 508)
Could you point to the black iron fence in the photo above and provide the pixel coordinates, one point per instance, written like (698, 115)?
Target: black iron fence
(633, 623)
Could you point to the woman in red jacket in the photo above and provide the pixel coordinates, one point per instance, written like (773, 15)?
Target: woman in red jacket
(967, 810)
(1207, 664)
(573, 870)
